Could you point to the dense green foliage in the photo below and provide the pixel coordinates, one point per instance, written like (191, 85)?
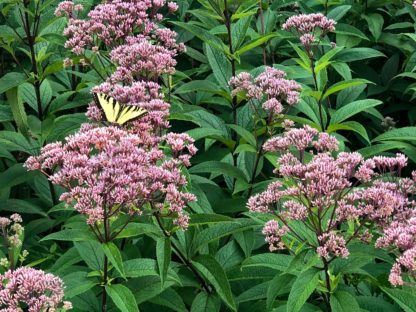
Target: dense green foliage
(365, 87)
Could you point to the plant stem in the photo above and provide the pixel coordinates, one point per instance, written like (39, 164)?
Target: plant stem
(31, 37)
(315, 80)
(328, 284)
(105, 277)
(182, 257)
(261, 15)
(256, 164)
(232, 60)
(105, 267)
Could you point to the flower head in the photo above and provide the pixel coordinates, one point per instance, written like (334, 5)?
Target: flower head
(37, 290)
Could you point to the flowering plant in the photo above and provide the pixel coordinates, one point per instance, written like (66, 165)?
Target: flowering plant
(334, 199)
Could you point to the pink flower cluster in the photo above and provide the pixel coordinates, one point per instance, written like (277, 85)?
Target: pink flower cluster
(402, 236)
(110, 23)
(274, 233)
(68, 8)
(31, 288)
(332, 244)
(12, 230)
(108, 170)
(140, 50)
(270, 86)
(139, 59)
(307, 26)
(322, 188)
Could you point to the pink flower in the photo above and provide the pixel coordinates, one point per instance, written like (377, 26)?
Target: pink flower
(308, 23)
(173, 7)
(274, 233)
(271, 86)
(38, 290)
(332, 244)
(108, 171)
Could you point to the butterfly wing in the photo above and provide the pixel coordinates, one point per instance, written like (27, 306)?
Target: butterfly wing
(129, 113)
(109, 105)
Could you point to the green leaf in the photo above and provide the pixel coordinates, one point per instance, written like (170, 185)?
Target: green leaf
(18, 110)
(278, 262)
(341, 301)
(219, 230)
(11, 80)
(239, 31)
(65, 125)
(376, 304)
(357, 54)
(220, 65)
(338, 12)
(199, 86)
(344, 84)
(21, 206)
(351, 126)
(204, 302)
(375, 24)
(15, 175)
(304, 285)
(171, 299)
(201, 133)
(352, 109)
(218, 167)
(140, 267)
(163, 254)
(257, 292)
(255, 43)
(202, 34)
(92, 253)
(114, 256)
(405, 299)
(215, 274)
(70, 235)
(122, 297)
(245, 134)
(304, 60)
(276, 287)
(324, 61)
(200, 218)
(405, 133)
(77, 283)
(349, 30)
(136, 229)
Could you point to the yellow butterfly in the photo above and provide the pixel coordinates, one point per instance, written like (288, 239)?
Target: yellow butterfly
(116, 112)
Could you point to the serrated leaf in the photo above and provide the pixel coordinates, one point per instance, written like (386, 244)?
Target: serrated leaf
(204, 302)
(405, 133)
(213, 272)
(218, 167)
(405, 299)
(114, 256)
(341, 301)
(343, 85)
(122, 297)
(245, 134)
(276, 286)
(304, 285)
(11, 80)
(163, 254)
(222, 229)
(18, 110)
(352, 109)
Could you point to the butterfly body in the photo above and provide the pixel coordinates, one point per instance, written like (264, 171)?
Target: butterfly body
(115, 112)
